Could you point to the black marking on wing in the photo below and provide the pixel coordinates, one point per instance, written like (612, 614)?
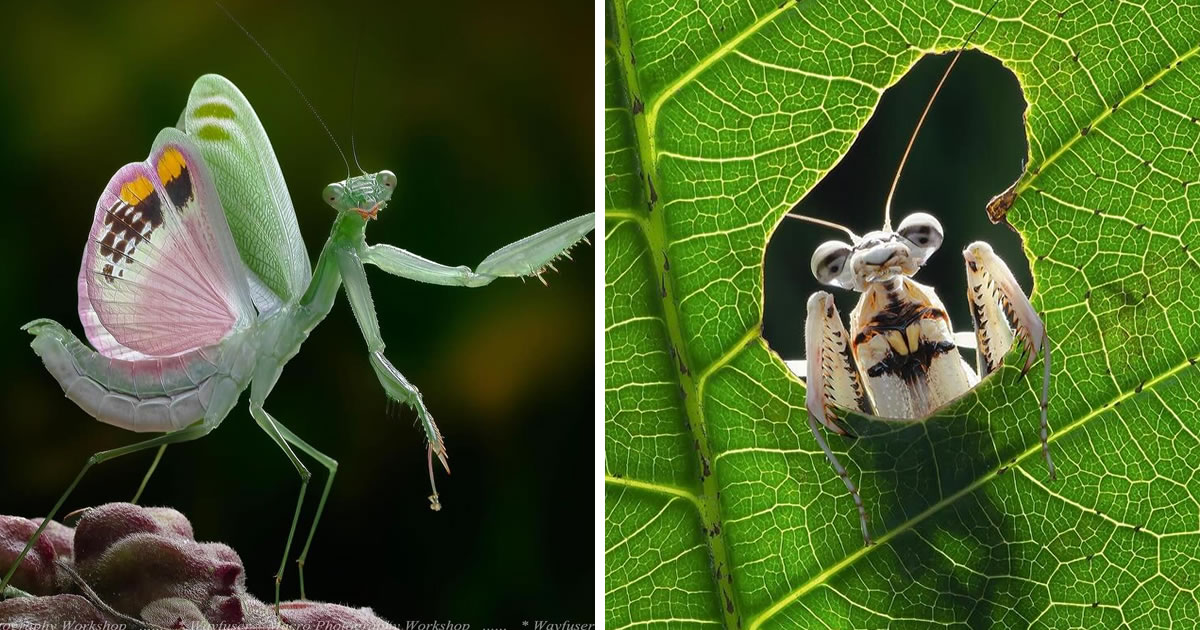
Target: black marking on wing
(179, 188)
(899, 315)
(128, 225)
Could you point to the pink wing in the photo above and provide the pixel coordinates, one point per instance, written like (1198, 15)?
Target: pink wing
(161, 274)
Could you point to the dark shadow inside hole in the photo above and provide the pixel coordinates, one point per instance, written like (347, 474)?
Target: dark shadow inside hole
(971, 148)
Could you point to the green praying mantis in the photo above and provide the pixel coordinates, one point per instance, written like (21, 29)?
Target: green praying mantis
(196, 285)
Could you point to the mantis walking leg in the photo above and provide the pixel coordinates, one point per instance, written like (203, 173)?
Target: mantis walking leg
(397, 387)
(146, 479)
(182, 435)
(329, 463)
(271, 426)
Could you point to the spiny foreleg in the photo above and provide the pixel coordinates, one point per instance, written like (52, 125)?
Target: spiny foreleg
(832, 380)
(1002, 313)
(531, 256)
(394, 383)
(399, 389)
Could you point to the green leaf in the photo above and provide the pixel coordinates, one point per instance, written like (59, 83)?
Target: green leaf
(720, 507)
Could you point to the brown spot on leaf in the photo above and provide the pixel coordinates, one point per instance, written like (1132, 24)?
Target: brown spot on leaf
(997, 208)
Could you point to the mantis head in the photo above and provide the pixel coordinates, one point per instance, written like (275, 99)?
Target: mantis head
(365, 194)
(878, 256)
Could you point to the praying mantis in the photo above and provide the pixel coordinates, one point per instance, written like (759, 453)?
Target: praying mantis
(900, 358)
(195, 285)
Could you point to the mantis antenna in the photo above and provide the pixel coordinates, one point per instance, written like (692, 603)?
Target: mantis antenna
(887, 208)
(353, 99)
(290, 82)
(354, 96)
(854, 238)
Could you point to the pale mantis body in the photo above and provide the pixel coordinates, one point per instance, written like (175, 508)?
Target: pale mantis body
(900, 359)
(195, 286)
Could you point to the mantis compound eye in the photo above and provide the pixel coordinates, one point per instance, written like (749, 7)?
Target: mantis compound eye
(333, 193)
(829, 262)
(922, 230)
(386, 179)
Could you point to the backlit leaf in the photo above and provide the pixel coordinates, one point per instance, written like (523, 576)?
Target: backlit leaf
(720, 508)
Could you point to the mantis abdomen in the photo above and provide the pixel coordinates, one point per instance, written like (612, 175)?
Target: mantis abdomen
(156, 395)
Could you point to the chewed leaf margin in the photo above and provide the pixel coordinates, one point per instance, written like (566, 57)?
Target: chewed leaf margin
(1105, 209)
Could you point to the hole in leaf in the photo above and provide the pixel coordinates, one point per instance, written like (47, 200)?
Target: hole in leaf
(971, 148)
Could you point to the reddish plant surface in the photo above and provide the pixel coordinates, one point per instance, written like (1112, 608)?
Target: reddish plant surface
(133, 566)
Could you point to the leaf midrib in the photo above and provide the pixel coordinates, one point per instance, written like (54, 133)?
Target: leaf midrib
(652, 227)
(1033, 450)
(646, 141)
(1032, 174)
(821, 578)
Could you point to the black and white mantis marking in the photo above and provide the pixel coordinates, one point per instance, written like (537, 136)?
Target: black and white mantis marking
(900, 358)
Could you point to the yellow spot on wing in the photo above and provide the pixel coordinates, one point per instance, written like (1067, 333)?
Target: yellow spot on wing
(914, 336)
(896, 340)
(136, 190)
(170, 164)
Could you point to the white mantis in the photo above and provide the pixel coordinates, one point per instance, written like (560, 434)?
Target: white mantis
(900, 358)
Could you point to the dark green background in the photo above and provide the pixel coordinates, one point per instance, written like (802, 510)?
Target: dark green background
(484, 111)
(971, 148)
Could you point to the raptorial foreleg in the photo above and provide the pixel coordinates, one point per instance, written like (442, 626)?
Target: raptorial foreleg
(1002, 313)
(528, 257)
(394, 383)
(832, 381)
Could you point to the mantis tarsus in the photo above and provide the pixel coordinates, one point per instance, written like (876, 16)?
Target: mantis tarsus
(900, 359)
(195, 285)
